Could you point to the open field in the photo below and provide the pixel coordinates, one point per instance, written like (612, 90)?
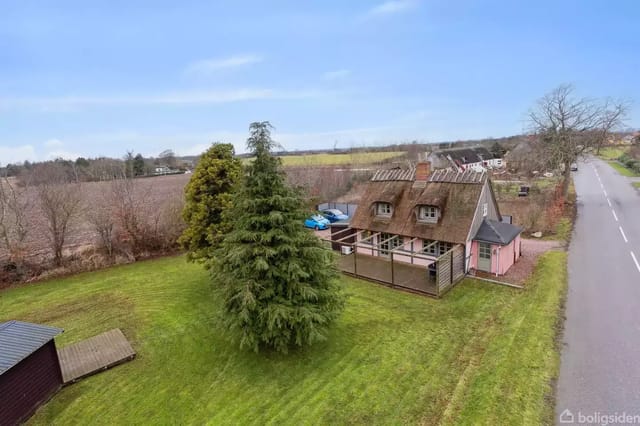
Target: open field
(344, 159)
(154, 194)
(484, 354)
(620, 168)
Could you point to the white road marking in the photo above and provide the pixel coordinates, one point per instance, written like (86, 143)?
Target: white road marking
(605, 192)
(609, 202)
(614, 215)
(624, 237)
(635, 261)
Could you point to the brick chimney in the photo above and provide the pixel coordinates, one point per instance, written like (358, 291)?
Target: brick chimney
(423, 170)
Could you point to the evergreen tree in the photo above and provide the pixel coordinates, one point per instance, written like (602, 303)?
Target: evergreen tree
(207, 196)
(497, 150)
(138, 165)
(278, 283)
(128, 164)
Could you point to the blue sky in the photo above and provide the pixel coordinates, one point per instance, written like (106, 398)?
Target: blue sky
(102, 77)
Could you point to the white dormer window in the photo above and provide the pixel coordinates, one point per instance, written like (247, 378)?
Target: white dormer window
(485, 209)
(383, 209)
(428, 214)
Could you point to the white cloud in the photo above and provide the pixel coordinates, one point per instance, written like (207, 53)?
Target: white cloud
(53, 143)
(335, 75)
(17, 154)
(391, 7)
(208, 66)
(203, 97)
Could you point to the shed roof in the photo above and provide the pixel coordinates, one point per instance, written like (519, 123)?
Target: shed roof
(20, 339)
(492, 231)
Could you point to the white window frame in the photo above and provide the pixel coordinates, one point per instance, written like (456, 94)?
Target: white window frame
(397, 242)
(428, 214)
(384, 209)
(444, 247)
(433, 250)
(485, 209)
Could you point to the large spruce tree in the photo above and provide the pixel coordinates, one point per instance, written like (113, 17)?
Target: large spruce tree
(207, 197)
(278, 282)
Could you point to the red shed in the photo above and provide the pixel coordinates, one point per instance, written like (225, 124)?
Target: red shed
(29, 369)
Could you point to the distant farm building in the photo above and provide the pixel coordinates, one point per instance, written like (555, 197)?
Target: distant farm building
(162, 170)
(478, 159)
(29, 369)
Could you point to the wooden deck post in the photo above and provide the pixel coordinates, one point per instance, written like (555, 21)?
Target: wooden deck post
(393, 281)
(355, 261)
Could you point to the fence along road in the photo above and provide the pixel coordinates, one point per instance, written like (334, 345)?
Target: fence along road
(600, 363)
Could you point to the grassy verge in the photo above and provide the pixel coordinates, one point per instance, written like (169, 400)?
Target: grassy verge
(622, 169)
(636, 184)
(612, 153)
(483, 354)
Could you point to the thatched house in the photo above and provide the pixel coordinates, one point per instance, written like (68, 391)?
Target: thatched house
(415, 211)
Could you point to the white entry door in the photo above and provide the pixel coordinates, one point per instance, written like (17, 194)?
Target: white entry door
(484, 257)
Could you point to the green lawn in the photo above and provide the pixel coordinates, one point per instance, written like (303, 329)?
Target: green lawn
(636, 184)
(484, 354)
(622, 169)
(326, 159)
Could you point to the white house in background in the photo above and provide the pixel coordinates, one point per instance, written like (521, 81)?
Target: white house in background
(161, 170)
(478, 159)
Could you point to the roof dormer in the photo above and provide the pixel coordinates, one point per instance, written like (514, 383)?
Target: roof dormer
(383, 209)
(427, 213)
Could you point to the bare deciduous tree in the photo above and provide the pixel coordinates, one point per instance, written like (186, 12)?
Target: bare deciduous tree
(60, 201)
(102, 220)
(568, 126)
(613, 115)
(14, 204)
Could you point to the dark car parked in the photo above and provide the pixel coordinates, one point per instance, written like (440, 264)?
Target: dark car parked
(334, 215)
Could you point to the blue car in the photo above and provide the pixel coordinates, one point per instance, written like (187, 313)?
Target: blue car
(334, 215)
(317, 222)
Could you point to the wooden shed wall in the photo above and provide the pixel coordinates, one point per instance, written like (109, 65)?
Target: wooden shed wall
(28, 384)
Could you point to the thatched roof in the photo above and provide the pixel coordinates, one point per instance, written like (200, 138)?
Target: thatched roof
(456, 194)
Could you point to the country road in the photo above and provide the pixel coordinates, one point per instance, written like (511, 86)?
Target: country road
(600, 362)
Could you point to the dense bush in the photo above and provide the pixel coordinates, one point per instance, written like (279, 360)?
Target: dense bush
(629, 162)
(208, 196)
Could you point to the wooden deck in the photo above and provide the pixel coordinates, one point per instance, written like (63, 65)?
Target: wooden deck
(378, 268)
(93, 355)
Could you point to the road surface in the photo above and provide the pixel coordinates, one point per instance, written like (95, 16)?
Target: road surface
(600, 362)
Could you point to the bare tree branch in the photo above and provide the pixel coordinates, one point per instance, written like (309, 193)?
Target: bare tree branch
(568, 126)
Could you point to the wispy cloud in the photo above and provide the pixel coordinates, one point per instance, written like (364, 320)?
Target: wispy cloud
(335, 75)
(391, 7)
(208, 66)
(203, 97)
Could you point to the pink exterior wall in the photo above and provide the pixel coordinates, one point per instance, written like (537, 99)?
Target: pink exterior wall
(502, 257)
(473, 259)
